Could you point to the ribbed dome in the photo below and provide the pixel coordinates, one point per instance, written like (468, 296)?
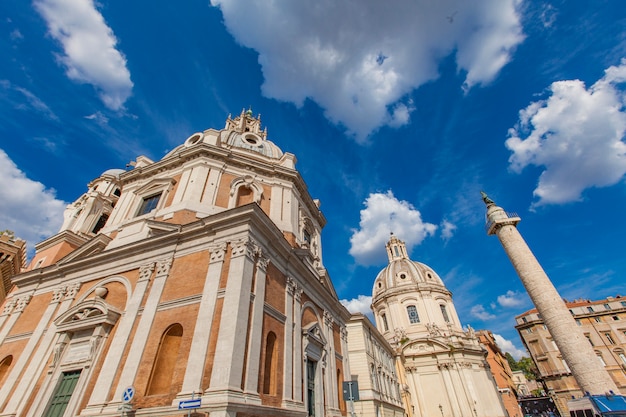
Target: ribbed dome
(403, 272)
(254, 142)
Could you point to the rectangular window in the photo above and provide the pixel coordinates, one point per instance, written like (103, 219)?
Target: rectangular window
(148, 204)
(385, 325)
(413, 316)
(589, 338)
(578, 322)
(609, 338)
(598, 319)
(62, 394)
(444, 313)
(607, 307)
(590, 309)
(623, 303)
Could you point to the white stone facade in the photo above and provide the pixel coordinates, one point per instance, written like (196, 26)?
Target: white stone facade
(442, 365)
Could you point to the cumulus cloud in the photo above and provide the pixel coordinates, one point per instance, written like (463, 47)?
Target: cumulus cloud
(385, 214)
(90, 48)
(361, 304)
(506, 345)
(27, 207)
(512, 299)
(576, 135)
(480, 313)
(359, 59)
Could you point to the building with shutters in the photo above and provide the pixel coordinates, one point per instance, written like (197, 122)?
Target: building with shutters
(603, 323)
(198, 275)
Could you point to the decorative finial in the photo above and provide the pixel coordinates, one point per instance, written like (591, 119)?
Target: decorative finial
(249, 112)
(486, 198)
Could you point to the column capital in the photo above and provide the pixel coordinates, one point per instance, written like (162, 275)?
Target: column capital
(22, 302)
(243, 247)
(145, 271)
(217, 251)
(57, 294)
(163, 267)
(71, 290)
(262, 263)
(8, 307)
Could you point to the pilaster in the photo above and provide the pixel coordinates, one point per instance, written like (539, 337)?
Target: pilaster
(202, 330)
(143, 328)
(256, 327)
(230, 349)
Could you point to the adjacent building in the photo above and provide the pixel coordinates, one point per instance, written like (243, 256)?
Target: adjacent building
(500, 369)
(373, 365)
(199, 275)
(12, 260)
(442, 364)
(603, 323)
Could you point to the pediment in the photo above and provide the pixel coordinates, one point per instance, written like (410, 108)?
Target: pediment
(314, 333)
(92, 247)
(159, 228)
(87, 314)
(157, 184)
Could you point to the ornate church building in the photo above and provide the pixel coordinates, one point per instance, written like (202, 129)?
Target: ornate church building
(197, 282)
(442, 366)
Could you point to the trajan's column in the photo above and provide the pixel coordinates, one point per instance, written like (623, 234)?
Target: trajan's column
(576, 350)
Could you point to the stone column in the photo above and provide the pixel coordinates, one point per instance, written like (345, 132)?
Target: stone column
(573, 345)
(202, 330)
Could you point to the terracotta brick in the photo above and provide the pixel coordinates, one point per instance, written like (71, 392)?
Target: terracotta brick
(187, 276)
(275, 283)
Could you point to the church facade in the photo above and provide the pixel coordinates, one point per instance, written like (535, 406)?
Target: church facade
(196, 280)
(442, 366)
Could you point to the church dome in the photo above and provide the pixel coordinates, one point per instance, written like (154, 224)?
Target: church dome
(253, 142)
(403, 273)
(115, 172)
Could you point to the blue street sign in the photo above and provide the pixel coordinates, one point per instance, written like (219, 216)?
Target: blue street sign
(128, 394)
(185, 404)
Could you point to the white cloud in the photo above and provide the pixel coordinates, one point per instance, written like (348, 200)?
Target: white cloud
(27, 207)
(89, 46)
(512, 299)
(359, 59)
(361, 304)
(447, 230)
(385, 214)
(480, 313)
(506, 345)
(577, 135)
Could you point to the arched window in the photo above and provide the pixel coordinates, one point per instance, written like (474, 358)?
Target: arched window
(413, 316)
(270, 364)
(4, 367)
(166, 360)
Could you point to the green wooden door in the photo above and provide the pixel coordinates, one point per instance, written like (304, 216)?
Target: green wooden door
(62, 394)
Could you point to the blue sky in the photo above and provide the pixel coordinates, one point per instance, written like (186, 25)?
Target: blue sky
(399, 112)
